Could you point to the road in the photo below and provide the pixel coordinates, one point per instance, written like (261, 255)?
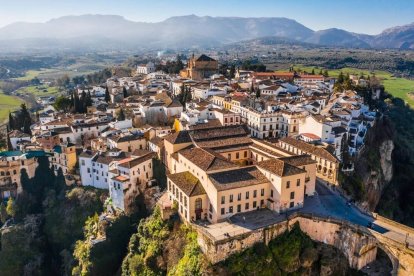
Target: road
(330, 203)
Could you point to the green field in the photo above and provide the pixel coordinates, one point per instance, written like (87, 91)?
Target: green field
(398, 87)
(39, 90)
(7, 104)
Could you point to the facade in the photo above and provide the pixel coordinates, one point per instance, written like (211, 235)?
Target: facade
(129, 179)
(64, 157)
(146, 68)
(11, 165)
(207, 185)
(200, 68)
(327, 164)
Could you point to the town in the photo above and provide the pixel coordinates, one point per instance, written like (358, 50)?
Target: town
(230, 154)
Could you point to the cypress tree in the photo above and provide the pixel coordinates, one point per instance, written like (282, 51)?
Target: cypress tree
(107, 96)
(11, 122)
(125, 92)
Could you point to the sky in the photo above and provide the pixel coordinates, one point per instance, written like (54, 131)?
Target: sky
(362, 16)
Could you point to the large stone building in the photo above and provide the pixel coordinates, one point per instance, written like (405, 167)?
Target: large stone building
(218, 172)
(200, 68)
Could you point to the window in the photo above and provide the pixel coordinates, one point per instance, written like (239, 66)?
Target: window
(231, 209)
(255, 193)
(247, 195)
(245, 154)
(222, 211)
(246, 207)
(83, 162)
(238, 208)
(185, 201)
(231, 198)
(237, 155)
(292, 204)
(298, 182)
(210, 208)
(262, 192)
(254, 204)
(261, 202)
(287, 184)
(271, 193)
(292, 195)
(229, 156)
(223, 199)
(239, 197)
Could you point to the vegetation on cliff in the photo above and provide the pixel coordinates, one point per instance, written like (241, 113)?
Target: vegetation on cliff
(293, 253)
(163, 248)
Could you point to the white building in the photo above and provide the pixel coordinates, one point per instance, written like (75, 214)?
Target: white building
(146, 68)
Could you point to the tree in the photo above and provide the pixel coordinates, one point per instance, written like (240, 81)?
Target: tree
(11, 122)
(125, 92)
(325, 74)
(341, 78)
(121, 115)
(25, 120)
(11, 207)
(107, 96)
(232, 71)
(313, 72)
(87, 101)
(63, 103)
(257, 92)
(3, 213)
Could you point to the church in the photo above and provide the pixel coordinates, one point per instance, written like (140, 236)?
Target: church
(200, 68)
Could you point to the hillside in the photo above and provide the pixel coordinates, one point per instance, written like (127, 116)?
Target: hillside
(99, 32)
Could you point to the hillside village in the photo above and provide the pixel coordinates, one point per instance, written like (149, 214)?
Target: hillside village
(207, 146)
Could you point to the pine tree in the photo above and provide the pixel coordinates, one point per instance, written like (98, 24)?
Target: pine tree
(313, 72)
(325, 74)
(107, 96)
(320, 72)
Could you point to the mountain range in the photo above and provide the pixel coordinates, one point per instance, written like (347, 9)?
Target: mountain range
(191, 31)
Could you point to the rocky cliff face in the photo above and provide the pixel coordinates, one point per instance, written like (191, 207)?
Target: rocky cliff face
(374, 166)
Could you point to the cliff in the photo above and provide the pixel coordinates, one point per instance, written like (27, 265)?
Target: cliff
(373, 167)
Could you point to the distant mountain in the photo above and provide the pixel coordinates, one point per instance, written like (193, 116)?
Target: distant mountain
(115, 32)
(337, 37)
(401, 37)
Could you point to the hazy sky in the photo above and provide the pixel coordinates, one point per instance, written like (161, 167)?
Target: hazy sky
(363, 16)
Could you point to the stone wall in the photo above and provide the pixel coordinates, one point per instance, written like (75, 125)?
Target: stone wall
(357, 244)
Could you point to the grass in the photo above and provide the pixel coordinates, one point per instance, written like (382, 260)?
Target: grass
(39, 90)
(7, 104)
(397, 87)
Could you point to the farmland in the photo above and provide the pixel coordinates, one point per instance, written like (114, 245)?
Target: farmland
(7, 104)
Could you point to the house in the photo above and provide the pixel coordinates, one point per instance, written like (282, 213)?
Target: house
(64, 158)
(12, 164)
(16, 136)
(127, 142)
(130, 177)
(146, 68)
